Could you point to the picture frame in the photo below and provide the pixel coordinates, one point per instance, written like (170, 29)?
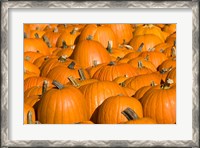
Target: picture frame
(6, 6)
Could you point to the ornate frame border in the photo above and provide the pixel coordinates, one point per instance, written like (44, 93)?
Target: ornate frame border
(5, 5)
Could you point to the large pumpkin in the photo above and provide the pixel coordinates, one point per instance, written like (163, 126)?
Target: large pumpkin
(159, 103)
(62, 105)
(88, 51)
(96, 92)
(110, 110)
(101, 34)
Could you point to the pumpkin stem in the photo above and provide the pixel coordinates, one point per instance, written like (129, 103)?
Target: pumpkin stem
(37, 122)
(153, 83)
(95, 63)
(65, 25)
(25, 35)
(27, 58)
(81, 73)
(140, 65)
(122, 84)
(111, 63)
(55, 29)
(37, 28)
(64, 44)
(128, 47)
(151, 49)
(124, 42)
(36, 35)
(173, 50)
(167, 83)
(140, 47)
(147, 58)
(130, 114)
(62, 58)
(46, 40)
(58, 84)
(174, 42)
(109, 48)
(71, 65)
(90, 37)
(74, 30)
(73, 81)
(44, 86)
(29, 117)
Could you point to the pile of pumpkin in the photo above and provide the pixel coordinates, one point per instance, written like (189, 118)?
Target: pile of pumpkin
(99, 73)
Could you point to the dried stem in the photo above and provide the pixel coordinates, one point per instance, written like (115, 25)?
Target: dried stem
(130, 114)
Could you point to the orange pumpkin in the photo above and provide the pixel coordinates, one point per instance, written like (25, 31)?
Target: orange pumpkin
(110, 110)
(159, 103)
(62, 105)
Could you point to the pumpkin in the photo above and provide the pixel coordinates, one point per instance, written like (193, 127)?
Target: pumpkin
(36, 45)
(88, 51)
(172, 75)
(113, 70)
(62, 105)
(134, 119)
(159, 103)
(52, 37)
(95, 93)
(68, 37)
(29, 114)
(149, 29)
(31, 56)
(169, 63)
(149, 41)
(28, 66)
(61, 73)
(142, 80)
(141, 62)
(101, 34)
(140, 92)
(123, 32)
(154, 56)
(36, 81)
(110, 110)
(169, 28)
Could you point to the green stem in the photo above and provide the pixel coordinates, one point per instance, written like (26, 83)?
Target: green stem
(109, 48)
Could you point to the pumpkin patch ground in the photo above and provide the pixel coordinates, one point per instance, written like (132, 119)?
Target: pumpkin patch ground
(99, 73)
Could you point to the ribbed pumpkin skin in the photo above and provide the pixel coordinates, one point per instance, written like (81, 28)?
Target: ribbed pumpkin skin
(36, 45)
(142, 80)
(145, 63)
(28, 66)
(36, 81)
(61, 74)
(101, 34)
(154, 56)
(95, 93)
(172, 75)
(149, 29)
(169, 63)
(31, 56)
(149, 41)
(62, 106)
(110, 110)
(122, 32)
(160, 105)
(87, 51)
(110, 72)
(28, 108)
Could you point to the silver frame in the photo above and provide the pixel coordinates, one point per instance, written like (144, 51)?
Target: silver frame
(5, 142)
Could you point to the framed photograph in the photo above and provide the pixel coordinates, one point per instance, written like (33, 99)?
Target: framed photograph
(58, 58)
